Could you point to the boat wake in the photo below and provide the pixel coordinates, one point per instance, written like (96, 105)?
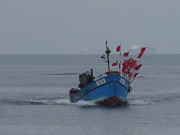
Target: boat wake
(45, 102)
(137, 101)
(140, 102)
(155, 99)
(65, 102)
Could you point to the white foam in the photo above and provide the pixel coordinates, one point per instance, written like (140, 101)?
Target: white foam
(140, 102)
(63, 102)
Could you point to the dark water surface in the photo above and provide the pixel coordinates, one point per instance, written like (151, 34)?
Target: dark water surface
(34, 97)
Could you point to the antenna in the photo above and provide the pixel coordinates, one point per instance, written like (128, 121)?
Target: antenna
(108, 51)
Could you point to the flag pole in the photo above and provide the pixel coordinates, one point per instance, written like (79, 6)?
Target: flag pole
(120, 59)
(133, 79)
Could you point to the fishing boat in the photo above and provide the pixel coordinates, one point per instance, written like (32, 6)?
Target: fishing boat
(110, 88)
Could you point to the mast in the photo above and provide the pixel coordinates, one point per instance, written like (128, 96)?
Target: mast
(108, 51)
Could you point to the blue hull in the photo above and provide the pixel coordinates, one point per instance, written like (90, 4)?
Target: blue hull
(106, 87)
(111, 85)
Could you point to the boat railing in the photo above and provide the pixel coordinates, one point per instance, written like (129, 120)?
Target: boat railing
(111, 72)
(100, 76)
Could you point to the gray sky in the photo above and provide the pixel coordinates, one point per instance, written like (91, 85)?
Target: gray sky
(82, 26)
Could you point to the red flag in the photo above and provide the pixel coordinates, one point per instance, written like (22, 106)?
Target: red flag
(118, 48)
(135, 74)
(126, 54)
(133, 64)
(141, 53)
(125, 63)
(139, 56)
(115, 64)
(130, 60)
(138, 67)
(143, 49)
(124, 69)
(126, 60)
(130, 74)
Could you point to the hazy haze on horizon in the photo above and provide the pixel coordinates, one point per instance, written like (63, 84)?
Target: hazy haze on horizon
(82, 26)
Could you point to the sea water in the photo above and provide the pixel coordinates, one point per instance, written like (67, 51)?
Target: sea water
(34, 97)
